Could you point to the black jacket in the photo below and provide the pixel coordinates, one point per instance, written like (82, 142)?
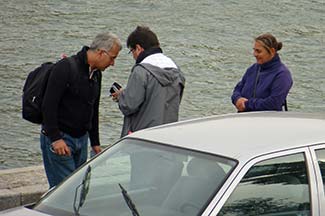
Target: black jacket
(71, 100)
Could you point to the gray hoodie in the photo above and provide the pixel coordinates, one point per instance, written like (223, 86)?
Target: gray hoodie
(152, 95)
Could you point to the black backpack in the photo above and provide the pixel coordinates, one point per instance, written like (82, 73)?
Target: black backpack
(34, 90)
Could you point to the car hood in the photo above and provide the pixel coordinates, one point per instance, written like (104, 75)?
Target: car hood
(21, 211)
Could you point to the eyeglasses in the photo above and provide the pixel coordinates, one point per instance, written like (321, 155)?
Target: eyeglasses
(107, 53)
(131, 50)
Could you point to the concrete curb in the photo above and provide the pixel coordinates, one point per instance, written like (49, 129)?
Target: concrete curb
(21, 186)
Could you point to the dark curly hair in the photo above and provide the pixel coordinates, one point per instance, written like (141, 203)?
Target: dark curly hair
(143, 36)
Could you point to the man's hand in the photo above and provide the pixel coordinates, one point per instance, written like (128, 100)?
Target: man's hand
(61, 148)
(96, 149)
(116, 95)
(240, 104)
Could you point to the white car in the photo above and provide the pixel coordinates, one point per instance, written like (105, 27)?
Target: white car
(263, 163)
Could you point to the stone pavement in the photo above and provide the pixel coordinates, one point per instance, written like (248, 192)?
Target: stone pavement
(21, 186)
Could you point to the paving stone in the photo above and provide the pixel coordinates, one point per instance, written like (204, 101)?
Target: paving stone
(9, 199)
(21, 186)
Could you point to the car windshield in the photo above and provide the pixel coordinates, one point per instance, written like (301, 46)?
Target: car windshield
(136, 177)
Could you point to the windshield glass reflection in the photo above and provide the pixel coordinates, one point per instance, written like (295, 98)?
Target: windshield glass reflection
(158, 179)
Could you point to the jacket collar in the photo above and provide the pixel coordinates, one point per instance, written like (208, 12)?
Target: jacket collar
(274, 61)
(148, 52)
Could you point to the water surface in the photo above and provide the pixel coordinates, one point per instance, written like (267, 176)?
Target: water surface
(211, 41)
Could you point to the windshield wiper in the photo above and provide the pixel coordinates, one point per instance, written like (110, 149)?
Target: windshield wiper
(84, 191)
(129, 201)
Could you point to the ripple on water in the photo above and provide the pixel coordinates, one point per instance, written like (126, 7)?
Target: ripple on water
(210, 40)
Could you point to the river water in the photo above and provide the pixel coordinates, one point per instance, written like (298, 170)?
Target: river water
(211, 41)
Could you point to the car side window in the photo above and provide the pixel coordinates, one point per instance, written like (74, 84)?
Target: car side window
(278, 186)
(321, 161)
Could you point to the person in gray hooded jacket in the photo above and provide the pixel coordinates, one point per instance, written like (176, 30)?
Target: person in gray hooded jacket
(155, 87)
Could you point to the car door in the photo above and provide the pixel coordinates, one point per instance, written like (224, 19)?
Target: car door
(318, 155)
(281, 183)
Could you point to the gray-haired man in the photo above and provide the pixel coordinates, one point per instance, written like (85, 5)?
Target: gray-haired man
(70, 107)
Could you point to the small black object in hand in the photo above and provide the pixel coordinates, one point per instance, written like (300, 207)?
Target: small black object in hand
(115, 87)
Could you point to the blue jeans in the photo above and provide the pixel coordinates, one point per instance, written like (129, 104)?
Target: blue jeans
(58, 167)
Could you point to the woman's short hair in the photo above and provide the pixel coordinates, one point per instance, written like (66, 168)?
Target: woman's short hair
(269, 41)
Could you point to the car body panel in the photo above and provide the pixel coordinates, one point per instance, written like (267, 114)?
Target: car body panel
(242, 133)
(318, 179)
(22, 211)
(248, 138)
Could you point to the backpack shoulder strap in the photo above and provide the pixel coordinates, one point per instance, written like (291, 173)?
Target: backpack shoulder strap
(73, 64)
(74, 71)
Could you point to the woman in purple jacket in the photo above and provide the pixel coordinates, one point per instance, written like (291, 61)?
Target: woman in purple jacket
(266, 83)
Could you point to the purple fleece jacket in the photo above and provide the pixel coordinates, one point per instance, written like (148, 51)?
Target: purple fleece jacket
(271, 81)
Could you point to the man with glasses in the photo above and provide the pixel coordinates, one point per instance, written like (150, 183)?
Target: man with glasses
(70, 107)
(155, 86)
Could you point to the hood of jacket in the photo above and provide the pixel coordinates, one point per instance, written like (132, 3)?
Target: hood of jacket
(163, 69)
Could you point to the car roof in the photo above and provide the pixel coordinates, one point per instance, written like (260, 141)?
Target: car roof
(241, 135)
